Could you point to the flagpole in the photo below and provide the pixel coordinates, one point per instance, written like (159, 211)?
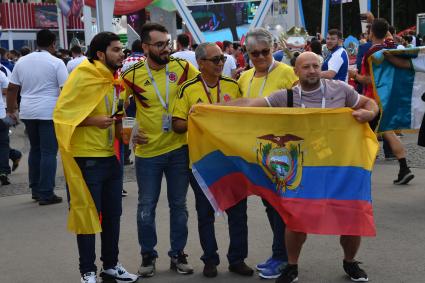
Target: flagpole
(342, 18)
(392, 12)
(379, 4)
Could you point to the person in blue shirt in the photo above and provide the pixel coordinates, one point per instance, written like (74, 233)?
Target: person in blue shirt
(336, 63)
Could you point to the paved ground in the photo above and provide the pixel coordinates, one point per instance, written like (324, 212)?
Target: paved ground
(35, 246)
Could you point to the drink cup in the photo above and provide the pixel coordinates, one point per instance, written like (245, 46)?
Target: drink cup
(127, 128)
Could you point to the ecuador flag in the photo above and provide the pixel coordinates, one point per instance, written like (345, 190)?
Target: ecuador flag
(313, 165)
(399, 92)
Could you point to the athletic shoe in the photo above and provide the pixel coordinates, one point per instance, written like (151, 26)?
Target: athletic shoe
(404, 177)
(273, 270)
(15, 164)
(117, 274)
(355, 272)
(147, 268)
(179, 263)
(4, 180)
(124, 193)
(52, 200)
(289, 274)
(89, 277)
(210, 269)
(241, 268)
(264, 264)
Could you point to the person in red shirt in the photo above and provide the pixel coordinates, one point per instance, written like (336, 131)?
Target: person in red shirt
(378, 36)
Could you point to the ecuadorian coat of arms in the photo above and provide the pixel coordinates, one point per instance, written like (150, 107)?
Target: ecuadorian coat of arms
(282, 159)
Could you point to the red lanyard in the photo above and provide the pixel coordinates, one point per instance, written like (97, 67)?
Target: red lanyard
(208, 91)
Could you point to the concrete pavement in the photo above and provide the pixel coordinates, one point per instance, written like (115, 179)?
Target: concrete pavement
(35, 246)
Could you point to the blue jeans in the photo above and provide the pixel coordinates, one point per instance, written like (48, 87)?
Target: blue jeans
(149, 171)
(238, 228)
(42, 157)
(278, 228)
(103, 177)
(4, 149)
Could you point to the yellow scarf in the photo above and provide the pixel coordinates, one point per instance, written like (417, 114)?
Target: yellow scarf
(83, 91)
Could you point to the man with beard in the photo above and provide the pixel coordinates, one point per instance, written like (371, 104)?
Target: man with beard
(155, 83)
(85, 130)
(212, 87)
(312, 92)
(335, 65)
(378, 36)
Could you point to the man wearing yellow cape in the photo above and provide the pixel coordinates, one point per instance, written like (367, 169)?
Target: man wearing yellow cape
(85, 128)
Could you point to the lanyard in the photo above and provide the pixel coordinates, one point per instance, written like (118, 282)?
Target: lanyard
(167, 86)
(208, 90)
(264, 81)
(114, 104)
(322, 90)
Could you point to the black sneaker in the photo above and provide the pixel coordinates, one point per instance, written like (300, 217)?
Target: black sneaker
(15, 164)
(289, 274)
(354, 271)
(147, 268)
(404, 177)
(210, 269)
(179, 263)
(52, 200)
(4, 180)
(124, 193)
(241, 268)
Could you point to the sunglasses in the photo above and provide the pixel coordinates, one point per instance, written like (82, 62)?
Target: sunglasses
(263, 52)
(217, 59)
(161, 45)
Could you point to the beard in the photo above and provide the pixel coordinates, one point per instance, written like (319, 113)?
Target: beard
(157, 58)
(311, 82)
(112, 65)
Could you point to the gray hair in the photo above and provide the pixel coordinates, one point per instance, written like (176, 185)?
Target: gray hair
(258, 35)
(201, 50)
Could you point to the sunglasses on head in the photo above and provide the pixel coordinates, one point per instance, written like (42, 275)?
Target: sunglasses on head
(263, 52)
(216, 59)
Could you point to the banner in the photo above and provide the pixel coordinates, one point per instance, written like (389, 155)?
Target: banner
(312, 165)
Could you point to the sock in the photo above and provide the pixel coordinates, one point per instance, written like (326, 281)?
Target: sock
(403, 164)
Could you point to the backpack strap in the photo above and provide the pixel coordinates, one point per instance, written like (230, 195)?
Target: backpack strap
(289, 98)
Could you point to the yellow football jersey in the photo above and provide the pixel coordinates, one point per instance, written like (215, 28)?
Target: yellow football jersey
(92, 141)
(150, 111)
(193, 92)
(281, 77)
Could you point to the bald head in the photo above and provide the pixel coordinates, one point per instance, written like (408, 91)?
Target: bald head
(307, 68)
(306, 56)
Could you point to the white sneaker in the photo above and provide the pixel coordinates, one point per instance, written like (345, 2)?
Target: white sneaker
(119, 274)
(89, 277)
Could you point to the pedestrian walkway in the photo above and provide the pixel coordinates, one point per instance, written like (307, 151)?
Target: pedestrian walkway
(35, 246)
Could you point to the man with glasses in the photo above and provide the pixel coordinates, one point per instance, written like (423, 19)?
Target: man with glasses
(266, 77)
(210, 86)
(159, 151)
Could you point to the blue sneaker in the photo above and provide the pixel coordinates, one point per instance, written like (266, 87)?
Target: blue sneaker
(263, 265)
(273, 270)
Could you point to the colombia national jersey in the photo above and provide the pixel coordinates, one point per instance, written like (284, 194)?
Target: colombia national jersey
(150, 110)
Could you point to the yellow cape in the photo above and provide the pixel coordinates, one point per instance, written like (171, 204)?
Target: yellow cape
(83, 91)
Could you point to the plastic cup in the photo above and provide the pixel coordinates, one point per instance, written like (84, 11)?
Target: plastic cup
(127, 128)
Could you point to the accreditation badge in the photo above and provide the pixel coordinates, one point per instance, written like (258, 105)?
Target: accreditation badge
(166, 122)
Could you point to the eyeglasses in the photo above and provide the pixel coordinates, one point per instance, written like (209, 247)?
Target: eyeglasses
(161, 44)
(216, 59)
(263, 52)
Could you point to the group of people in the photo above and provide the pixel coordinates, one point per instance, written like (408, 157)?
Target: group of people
(162, 89)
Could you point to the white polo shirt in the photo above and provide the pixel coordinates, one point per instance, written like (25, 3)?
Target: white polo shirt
(188, 56)
(229, 65)
(40, 75)
(4, 82)
(73, 63)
